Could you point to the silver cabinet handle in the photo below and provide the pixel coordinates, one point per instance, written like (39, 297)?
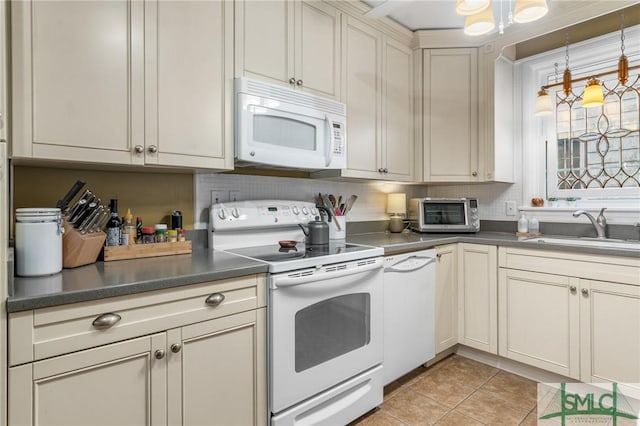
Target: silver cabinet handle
(385, 170)
(106, 320)
(299, 83)
(573, 289)
(152, 149)
(292, 81)
(474, 174)
(139, 149)
(215, 299)
(175, 348)
(159, 353)
(585, 291)
(380, 170)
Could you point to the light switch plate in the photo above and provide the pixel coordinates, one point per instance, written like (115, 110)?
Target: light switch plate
(510, 208)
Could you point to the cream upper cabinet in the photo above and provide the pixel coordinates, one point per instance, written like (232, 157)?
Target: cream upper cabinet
(124, 82)
(4, 40)
(78, 80)
(189, 84)
(538, 317)
(610, 332)
(118, 384)
(291, 42)
(450, 115)
(446, 297)
(477, 297)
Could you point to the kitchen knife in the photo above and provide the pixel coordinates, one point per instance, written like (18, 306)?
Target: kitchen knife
(64, 202)
(85, 213)
(84, 205)
(81, 201)
(91, 220)
(106, 214)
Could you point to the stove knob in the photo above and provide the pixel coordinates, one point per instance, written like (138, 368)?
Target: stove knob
(222, 214)
(295, 210)
(305, 210)
(314, 211)
(235, 213)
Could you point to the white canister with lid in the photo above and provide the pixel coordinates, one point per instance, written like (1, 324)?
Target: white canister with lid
(38, 241)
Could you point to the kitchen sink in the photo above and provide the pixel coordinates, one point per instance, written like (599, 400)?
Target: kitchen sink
(588, 242)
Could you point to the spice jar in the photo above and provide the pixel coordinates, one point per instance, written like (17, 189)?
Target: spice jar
(161, 233)
(148, 235)
(172, 235)
(182, 235)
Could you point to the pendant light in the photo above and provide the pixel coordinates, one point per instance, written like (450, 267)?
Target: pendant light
(593, 96)
(529, 10)
(623, 63)
(544, 106)
(566, 77)
(480, 23)
(471, 7)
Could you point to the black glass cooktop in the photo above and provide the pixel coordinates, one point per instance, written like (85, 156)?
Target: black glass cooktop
(275, 253)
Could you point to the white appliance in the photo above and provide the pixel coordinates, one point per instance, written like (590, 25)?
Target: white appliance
(4, 243)
(282, 127)
(409, 312)
(325, 310)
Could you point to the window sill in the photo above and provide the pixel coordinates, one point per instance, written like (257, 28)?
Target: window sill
(615, 215)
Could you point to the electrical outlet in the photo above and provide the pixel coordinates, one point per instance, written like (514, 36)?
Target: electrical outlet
(510, 208)
(218, 197)
(234, 196)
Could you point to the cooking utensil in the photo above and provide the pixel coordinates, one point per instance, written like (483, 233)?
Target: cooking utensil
(330, 210)
(317, 231)
(64, 202)
(332, 200)
(352, 199)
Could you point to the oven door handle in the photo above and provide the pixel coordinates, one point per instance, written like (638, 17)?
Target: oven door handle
(294, 281)
(392, 268)
(328, 148)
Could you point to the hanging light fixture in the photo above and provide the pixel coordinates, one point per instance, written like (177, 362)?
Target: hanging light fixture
(471, 7)
(544, 106)
(593, 95)
(480, 23)
(529, 10)
(623, 63)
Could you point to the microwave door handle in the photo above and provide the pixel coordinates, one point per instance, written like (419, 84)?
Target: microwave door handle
(328, 150)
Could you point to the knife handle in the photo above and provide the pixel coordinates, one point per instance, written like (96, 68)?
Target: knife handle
(64, 202)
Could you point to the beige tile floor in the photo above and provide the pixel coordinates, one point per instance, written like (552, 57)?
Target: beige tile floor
(456, 391)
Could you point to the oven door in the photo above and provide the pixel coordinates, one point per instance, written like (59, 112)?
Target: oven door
(282, 134)
(325, 326)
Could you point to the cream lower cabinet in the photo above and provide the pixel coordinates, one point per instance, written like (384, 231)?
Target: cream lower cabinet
(204, 364)
(123, 82)
(446, 297)
(477, 297)
(563, 313)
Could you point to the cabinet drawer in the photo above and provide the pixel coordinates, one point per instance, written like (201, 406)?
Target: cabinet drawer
(48, 332)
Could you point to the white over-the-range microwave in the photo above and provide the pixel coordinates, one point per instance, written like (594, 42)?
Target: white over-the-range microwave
(281, 127)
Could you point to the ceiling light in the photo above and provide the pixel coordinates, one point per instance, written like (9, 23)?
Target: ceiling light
(471, 7)
(529, 10)
(480, 23)
(593, 94)
(544, 106)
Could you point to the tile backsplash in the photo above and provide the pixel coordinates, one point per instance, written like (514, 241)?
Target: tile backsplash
(371, 203)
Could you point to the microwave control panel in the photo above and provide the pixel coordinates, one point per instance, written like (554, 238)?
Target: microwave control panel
(338, 138)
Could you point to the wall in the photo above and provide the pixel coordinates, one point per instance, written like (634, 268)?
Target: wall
(371, 203)
(150, 195)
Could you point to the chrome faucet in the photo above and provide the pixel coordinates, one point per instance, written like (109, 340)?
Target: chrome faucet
(600, 223)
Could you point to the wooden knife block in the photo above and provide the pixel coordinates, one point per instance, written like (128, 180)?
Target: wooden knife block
(80, 249)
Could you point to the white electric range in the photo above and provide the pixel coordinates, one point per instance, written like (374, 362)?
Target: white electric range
(325, 309)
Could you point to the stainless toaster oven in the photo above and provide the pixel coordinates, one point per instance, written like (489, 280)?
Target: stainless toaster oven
(444, 214)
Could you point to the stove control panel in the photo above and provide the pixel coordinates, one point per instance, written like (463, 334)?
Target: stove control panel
(260, 214)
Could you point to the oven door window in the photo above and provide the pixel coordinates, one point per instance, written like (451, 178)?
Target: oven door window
(331, 328)
(444, 214)
(284, 132)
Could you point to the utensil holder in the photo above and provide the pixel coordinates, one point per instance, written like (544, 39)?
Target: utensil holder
(80, 249)
(334, 232)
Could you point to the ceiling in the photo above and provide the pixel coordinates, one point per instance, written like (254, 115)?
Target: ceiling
(440, 14)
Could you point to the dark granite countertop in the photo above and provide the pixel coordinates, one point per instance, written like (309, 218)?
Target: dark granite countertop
(124, 277)
(108, 279)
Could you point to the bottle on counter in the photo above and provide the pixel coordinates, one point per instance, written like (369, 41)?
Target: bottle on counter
(534, 225)
(129, 234)
(113, 225)
(139, 230)
(523, 223)
(148, 235)
(161, 233)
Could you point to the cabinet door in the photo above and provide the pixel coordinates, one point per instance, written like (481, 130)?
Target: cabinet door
(450, 86)
(118, 384)
(538, 317)
(610, 332)
(317, 48)
(361, 84)
(3, 70)
(218, 376)
(189, 80)
(265, 40)
(477, 297)
(446, 297)
(397, 111)
(78, 80)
